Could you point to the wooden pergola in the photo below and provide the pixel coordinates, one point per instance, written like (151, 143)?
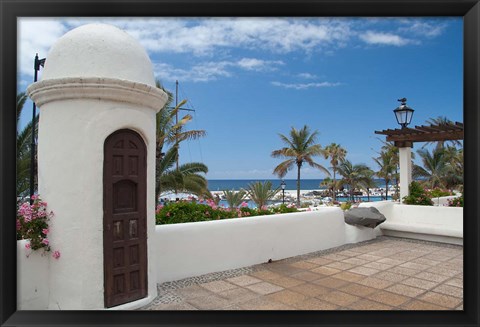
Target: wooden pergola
(404, 138)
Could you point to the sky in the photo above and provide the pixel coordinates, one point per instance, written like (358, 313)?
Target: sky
(251, 79)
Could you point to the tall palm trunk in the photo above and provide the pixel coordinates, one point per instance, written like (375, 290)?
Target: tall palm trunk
(386, 190)
(299, 165)
(334, 183)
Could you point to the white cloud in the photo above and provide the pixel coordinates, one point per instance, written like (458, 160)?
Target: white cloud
(423, 28)
(307, 76)
(303, 86)
(258, 64)
(372, 37)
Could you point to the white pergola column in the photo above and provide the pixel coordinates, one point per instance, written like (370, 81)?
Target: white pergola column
(405, 160)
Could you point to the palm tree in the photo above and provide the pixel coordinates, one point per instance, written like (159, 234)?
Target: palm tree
(367, 181)
(331, 185)
(435, 167)
(186, 178)
(234, 198)
(388, 165)
(441, 120)
(24, 140)
(336, 154)
(300, 148)
(171, 133)
(393, 153)
(353, 175)
(260, 193)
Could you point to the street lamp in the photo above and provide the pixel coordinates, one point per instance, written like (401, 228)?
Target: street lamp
(403, 113)
(282, 184)
(36, 67)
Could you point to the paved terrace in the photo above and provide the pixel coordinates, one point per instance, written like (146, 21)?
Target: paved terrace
(383, 274)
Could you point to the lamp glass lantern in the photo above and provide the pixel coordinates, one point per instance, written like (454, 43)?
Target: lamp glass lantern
(403, 114)
(283, 184)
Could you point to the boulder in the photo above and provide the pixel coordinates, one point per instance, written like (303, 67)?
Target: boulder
(368, 217)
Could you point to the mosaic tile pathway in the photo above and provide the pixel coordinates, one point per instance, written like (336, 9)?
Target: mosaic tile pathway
(383, 274)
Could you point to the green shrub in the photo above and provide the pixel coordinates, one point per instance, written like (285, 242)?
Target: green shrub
(417, 195)
(346, 205)
(437, 192)
(456, 202)
(187, 212)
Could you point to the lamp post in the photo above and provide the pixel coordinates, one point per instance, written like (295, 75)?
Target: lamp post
(36, 66)
(283, 184)
(403, 113)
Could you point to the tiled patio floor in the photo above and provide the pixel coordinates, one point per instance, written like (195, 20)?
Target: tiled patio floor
(384, 274)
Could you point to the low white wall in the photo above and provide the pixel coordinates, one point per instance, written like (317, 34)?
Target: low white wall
(192, 249)
(32, 278)
(443, 200)
(432, 223)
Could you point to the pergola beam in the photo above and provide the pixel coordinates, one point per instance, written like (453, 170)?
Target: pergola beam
(427, 137)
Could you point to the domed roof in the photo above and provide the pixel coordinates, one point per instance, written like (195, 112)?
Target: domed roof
(99, 50)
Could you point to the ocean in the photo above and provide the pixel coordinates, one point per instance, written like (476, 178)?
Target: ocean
(291, 184)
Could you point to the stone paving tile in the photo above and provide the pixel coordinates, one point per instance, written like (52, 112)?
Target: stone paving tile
(264, 288)
(315, 304)
(421, 305)
(286, 281)
(388, 298)
(335, 257)
(355, 261)
(193, 291)
(349, 276)
(283, 268)
(338, 298)
(449, 290)
(238, 295)
(307, 276)
(443, 271)
(304, 265)
(375, 282)
(364, 304)
(319, 261)
(405, 290)
(243, 280)
(331, 282)
(232, 307)
(218, 286)
(431, 276)
(340, 265)
(390, 276)
(390, 261)
(455, 282)
(369, 257)
(348, 253)
(378, 265)
(265, 275)
(287, 297)
(174, 306)
(326, 270)
(263, 303)
(413, 265)
(441, 299)
(357, 289)
(210, 302)
(363, 271)
(419, 283)
(424, 261)
(404, 271)
(310, 290)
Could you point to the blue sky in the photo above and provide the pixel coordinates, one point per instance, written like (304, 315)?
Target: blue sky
(251, 78)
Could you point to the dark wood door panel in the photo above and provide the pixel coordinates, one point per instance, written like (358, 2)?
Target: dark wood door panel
(125, 238)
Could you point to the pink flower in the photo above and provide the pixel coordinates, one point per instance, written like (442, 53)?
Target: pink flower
(244, 204)
(45, 241)
(19, 225)
(45, 231)
(27, 246)
(56, 254)
(167, 214)
(34, 197)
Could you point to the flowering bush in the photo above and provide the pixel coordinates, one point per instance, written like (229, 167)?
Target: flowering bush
(456, 202)
(32, 225)
(191, 211)
(417, 195)
(437, 192)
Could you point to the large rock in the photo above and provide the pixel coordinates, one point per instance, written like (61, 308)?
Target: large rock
(369, 217)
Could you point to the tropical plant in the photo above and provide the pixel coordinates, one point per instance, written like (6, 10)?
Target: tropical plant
(435, 167)
(24, 145)
(234, 198)
(456, 202)
(300, 148)
(417, 195)
(442, 120)
(261, 193)
(186, 178)
(336, 154)
(367, 181)
(169, 132)
(387, 161)
(352, 175)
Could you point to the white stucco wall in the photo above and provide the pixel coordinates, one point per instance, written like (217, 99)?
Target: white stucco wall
(192, 249)
(32, 278)
(432, 223)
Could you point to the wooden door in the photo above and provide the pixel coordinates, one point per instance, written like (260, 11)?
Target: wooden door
(124, 221)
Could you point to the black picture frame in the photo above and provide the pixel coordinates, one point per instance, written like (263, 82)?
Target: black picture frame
(10, 10)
